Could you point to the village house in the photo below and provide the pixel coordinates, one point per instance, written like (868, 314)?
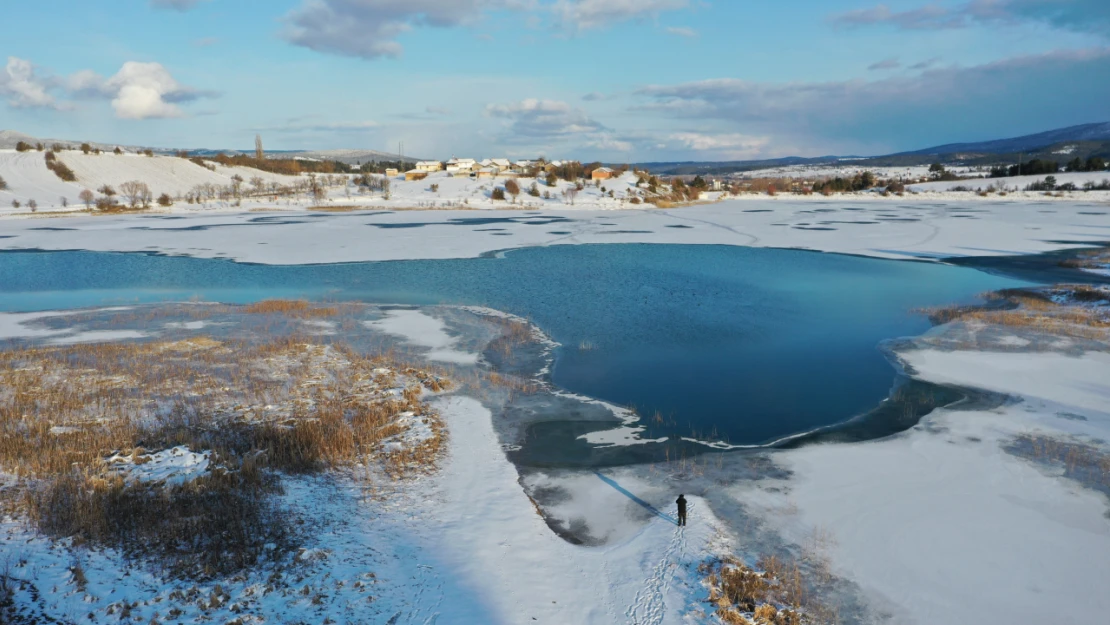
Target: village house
(415, 174)
(461, 166)
(602, 173)
(392, 173)
(429, 166)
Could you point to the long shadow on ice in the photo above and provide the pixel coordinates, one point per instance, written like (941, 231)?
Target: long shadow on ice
(622, 490)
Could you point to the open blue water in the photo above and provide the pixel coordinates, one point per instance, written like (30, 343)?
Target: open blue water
(739, 344)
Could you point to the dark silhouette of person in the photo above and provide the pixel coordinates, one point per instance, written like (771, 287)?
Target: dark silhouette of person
(681, 510)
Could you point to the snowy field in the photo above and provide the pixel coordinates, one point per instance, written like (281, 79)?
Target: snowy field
(900, 230)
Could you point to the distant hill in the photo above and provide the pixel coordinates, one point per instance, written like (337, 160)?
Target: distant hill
(1061, 145)
(1083, 133)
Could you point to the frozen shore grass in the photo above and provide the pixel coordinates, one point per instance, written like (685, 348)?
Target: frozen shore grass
(1074, 311)
(774, 592)
(257, 410)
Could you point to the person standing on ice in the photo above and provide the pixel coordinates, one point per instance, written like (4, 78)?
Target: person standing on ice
(681, 510)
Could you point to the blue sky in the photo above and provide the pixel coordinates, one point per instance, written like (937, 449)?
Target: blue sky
(617, 80)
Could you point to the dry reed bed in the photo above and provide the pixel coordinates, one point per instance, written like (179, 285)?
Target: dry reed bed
(287, 405)
(1069, 314)
(773, 593)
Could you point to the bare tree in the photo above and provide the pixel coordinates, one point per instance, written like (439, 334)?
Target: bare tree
(258, 183)
(512, 188)
(33, 205)
(3, 183)
(136, 193)
(571, 194)
(259, 153)
(87, 197)
(65, 202)
(236, 184)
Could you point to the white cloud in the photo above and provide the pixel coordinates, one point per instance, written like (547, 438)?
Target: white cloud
(579, 15)
(542, 119)
(137, 91)
(369, 28)
(733, 143)
(902, 111)
(23, 88)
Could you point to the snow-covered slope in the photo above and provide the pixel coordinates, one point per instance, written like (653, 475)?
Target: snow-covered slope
(164, 174)
(29, 179)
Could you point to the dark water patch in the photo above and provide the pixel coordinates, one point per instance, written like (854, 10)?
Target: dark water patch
(1045, 268)
(560, 232)
(503, 234)
(489, 230)
(964, 217)
(626, 232)
(853, 208)
(814, 228)
(47, 229)
(1090, 213)
(399, 226)
(679, 226)
(898, 219)
(759, 210)
(860, 223)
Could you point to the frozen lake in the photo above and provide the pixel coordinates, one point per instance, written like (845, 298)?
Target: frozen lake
(736, 344)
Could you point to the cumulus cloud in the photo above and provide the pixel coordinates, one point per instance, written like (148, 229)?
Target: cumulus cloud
(579, 15)
(176, 5)
(137, 91)
(542, 119)
(23, 88)
(908, 110)
(1078, 15)
(369, 28)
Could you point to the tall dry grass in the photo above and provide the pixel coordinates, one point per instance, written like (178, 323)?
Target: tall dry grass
(774, 592)
(285, 406)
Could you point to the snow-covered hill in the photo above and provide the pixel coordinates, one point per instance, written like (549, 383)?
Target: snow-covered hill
(28, 178)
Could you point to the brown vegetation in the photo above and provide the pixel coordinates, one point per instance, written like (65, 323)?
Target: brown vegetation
(773, 593)
(289, 405)
(1036, 312)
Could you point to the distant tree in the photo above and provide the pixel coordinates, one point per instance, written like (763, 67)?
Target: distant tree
(534, 190)
(58, 147)
(512, 188)
(936, 170)
(1095, 163)
(33, 205)
(106, 191)
(259, 153)
(65, 202)
(698, 183)
(117, 151)
(148, 152)
(497, 194)
(86, 148)
(136, 192)
(3, 183)
(258, 183)
(40, 147)
(552, 179)
(1076, 164)
(165, 200)
(571, 194)
(1050, 182)
(15, 204)
(87, 197)
(236, 184)
(23, 146)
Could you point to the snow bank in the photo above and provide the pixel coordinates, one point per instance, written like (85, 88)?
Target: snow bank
(1013, 183)
(172, 467)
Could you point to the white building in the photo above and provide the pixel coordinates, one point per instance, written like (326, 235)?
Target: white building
(429, 166)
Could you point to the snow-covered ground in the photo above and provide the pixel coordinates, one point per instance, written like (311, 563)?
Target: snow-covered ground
(28, 178)
(898, 230)
(1014, 183)
(847, 169)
